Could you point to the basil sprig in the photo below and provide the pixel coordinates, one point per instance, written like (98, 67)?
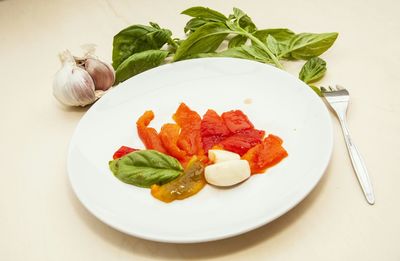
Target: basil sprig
(312, 71)
(139, 47)
(146, 167)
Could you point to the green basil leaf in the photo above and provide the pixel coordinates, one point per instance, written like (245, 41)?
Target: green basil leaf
(313, 70)
(238, 13)
(282, 37)
(205, 39)
(307, 45)
(145, 168)
(137, 38)
(204, 12)
(193, 24)
(238, 40)
(257, 53)
(243, 20)
(243, 52)
(280, 34)
(273, 45)
(236, 52)
(139, 62)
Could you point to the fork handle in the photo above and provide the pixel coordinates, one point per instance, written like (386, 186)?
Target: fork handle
(358, 163)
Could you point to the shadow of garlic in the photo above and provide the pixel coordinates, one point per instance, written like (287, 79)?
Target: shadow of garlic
(81, 80)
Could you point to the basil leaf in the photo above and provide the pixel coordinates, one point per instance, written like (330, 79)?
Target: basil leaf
(137, 38)
(204, 12)
(238, 13)
(238, 40)
(243, 20)
(139, 62)
(282, 37)
(313, 70)
(243, 52)
(280, 34)
(273, 45)
(257, 53)
(194, 23)
(205, 39)
(145, 168)
(307, 45)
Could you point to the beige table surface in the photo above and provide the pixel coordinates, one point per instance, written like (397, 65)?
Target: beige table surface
(40, 217)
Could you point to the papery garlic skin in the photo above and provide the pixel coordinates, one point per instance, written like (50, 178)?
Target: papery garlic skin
(72, 85)
(102, 73)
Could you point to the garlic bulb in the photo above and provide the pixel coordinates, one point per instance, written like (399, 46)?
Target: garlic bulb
(81, 81)
(73, 85)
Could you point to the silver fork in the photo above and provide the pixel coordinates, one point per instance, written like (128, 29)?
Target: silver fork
(338, 98)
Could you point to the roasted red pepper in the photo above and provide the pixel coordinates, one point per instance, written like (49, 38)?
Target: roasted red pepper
(123, 151)
(266, 154)
(148, 135)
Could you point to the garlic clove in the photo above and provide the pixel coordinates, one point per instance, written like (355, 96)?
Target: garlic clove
(217, 156)
(102, 73)
(227, 173)
(82, 87)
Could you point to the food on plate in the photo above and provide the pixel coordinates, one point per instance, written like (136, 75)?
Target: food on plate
(169, 136)
(227, 173)
(186, 155)
(213, 129)
(122, 151)
(217, 156)
(148, 135)
(189, 138)
(186, 185)
(144, 168)
(266, 154)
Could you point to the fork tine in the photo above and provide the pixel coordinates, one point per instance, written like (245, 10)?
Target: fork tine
(323, 89)
(331, 88)
(339, 87)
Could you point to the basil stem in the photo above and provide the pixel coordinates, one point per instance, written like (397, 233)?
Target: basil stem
(261, 45)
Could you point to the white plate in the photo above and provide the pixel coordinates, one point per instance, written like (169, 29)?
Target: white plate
(280, 104)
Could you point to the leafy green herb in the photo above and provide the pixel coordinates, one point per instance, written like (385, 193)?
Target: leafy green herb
(243, 52)
(206, 32)
(139, 62)
(205, 39)
(206, 13)
(145, 168)
(243, 20)
(212, 35)
(306, 45)
(313, 70)
(280, 34)
(193, 24)
(236, 41)
(201, 16)
(273, 45)
(138, 38)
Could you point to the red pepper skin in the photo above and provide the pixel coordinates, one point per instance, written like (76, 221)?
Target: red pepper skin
(123, 151)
